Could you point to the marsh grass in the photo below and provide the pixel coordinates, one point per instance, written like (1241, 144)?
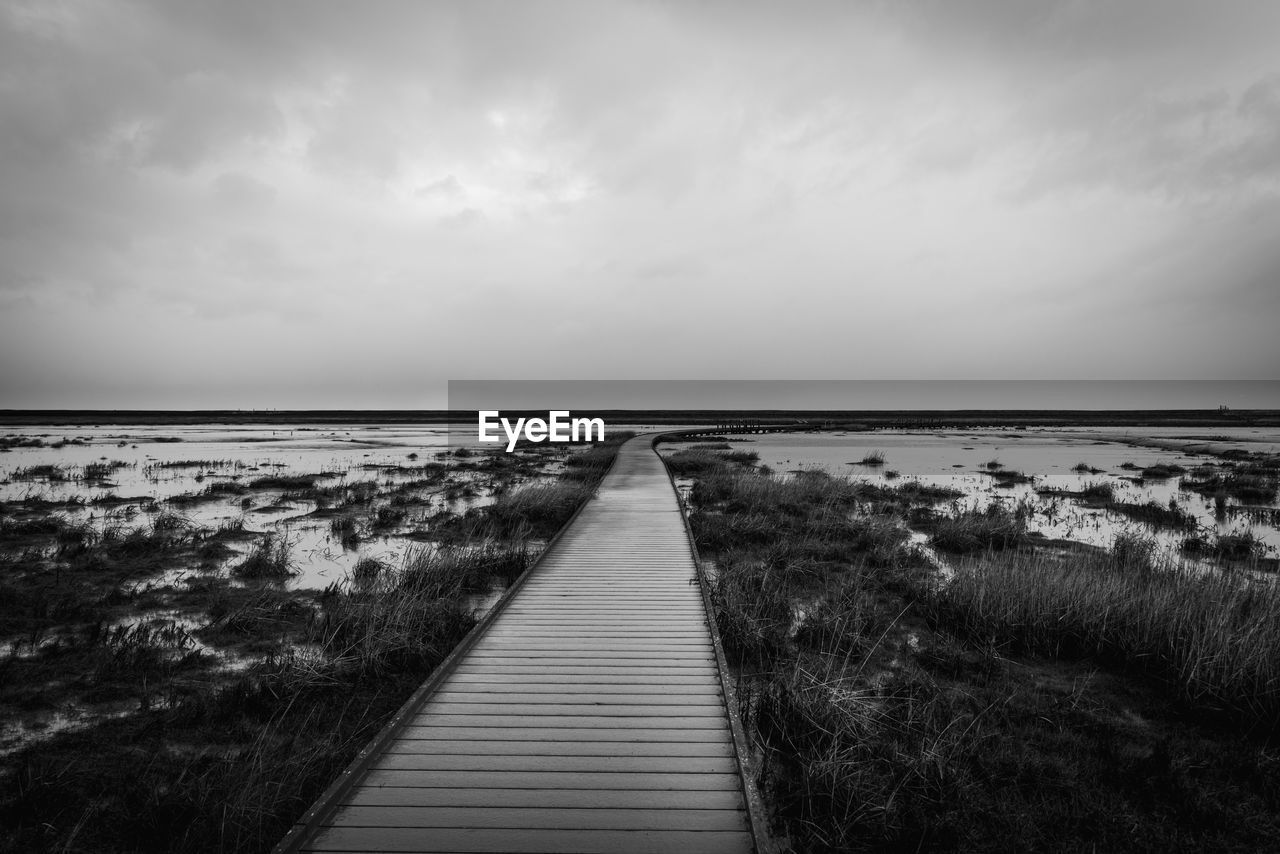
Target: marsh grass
(119, 551)
(1162, 471)
(39, 526)
(270, 558)
(887, 717)
(264, 612)
(1008, 477)
(228, 765)
(992, 528)
(209, 758)
(213, 492)
(1233, 546)
(367, 569)
(388, 516)
(298, 481)
(1215, 636)
(49, 472)
(406, 618)
(1099, 491)
(346, 530)
(9, 442)
(142, 649)
(537, 510)
(532, 511)
(1157, 515)
(99, 472)
(1255, 482)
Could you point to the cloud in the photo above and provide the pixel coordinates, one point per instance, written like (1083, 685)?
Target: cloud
(858, 189)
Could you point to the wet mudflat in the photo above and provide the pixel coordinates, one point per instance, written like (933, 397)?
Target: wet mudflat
(999, 640)
(207, 611)
(1184, 490)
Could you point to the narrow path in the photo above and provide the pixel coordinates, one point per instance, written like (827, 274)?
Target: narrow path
(588, 717)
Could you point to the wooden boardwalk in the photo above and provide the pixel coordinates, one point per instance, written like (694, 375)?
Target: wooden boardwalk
(587, 717)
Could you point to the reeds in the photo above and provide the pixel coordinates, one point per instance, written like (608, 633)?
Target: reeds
(407, 618)
(276, 481)
(993, 528)
(1249, 482)
(1099, 491)
(537, 510)
(877, 730)
(269, 558)
(1235, 547)
(1216, 635)
(1162, 471)
(1156, 514)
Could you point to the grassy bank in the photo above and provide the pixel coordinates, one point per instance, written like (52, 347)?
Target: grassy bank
(193, 757)
(1040, 699)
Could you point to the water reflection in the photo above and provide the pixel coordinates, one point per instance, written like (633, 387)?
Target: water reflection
(1056, 465)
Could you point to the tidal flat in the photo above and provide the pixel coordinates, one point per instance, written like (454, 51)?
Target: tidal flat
(201, 624)
(942, 639)
(999, 640)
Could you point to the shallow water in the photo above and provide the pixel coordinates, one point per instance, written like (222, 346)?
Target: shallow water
(346, 455)
(958, 459)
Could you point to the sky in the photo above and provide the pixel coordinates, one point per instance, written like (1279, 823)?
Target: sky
(346, 205)
(861, 395)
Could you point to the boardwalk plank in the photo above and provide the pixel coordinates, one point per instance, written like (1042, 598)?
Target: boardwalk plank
(536, 690)
(590, 780)
(589, 717)
(543, 734)
(453, 762)
(438, 747)
(664, 799)
(581, 721)
(541, 819)
(528, 841)
(572, 709)
(589, 679)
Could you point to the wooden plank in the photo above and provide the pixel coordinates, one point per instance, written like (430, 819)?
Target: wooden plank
(595, 711)
(548, 735)
(620, 645)
(663, 799)
(604, 595)
(492, 747)
(537, 762)
(594, 624)
(541, 819)
(534, 687)
(574, 663)
(590, 780)
(474, 841)
(561, 694)
(586, 721)
(584, 649)
(563, 610)
(603, 635)
(574, 647)
(687, 677)
(563, 669)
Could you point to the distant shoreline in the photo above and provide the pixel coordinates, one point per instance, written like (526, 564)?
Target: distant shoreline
(800, 419)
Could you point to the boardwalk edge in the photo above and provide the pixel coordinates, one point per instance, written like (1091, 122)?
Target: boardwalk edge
(324, 806)
(762, 840)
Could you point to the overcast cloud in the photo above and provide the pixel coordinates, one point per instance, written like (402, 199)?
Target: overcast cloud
(301, 204)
